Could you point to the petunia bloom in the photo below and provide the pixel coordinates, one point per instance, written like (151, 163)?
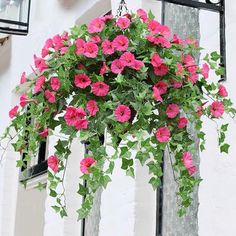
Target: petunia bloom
(161, 70)
(163, 134)
(142, 15)
(82, 81)
(50, 96)
(39, 84)
(176, 84)
(13, 112)
(154, 26)
(161, 86)
(55, 83)
(121, 43)
(100, 89)
(182, 122)
(122, 113)
(222, 90)
(104, 69)
(96, 25)
(44, 133)
(205, 70)
(156, 94)
(107, 47)
(73, 114)
(188, 163)
(156, 60)
(217, 109)
(127, 58)
(137, 65)
(117, 66)
(90, 50)
(23, 100)
(40, 64)
(172, 110)
(86, 163)
(92, 107)
(80, 46)
(53, 163)
(123, 22)
(23, 78)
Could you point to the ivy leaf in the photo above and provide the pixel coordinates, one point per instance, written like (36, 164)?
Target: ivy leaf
(215, 56)
(82, 190)
(155, 182)
(126, 163)
(52, 193)
(225, 148)
(130, 172)
(56, 208)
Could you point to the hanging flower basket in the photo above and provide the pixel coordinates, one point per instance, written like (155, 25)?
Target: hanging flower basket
(131, 81)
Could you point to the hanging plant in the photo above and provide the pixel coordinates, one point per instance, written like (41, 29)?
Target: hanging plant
(127, 83)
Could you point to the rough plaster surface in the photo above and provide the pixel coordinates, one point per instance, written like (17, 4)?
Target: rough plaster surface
(184, 22)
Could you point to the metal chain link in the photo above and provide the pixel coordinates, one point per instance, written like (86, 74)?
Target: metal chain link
(122, 6)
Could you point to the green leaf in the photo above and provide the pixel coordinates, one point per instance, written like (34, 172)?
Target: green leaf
(130, 172)
(52, 193)
(82, 190)
(224, 127)
(215, 56)
(56, 208)
(126, 163)
(155, 182)
(225, 148)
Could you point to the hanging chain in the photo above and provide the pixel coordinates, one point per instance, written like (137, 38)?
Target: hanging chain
(122, 6)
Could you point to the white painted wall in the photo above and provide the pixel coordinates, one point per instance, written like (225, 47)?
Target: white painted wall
(217, 193)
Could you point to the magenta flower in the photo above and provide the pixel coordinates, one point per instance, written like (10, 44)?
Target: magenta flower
(154, 26)
(96, 25)
(188, 163)
(23, 100)
(222, 90)
(44, 133)
(164, 30)
(161, 86)
(55, 83)
(107, 17)
(142, 15)
(205, 70)
(163, 134)
(176, 40)
(127, 59)
(81, 124)
(123, 22)
(86, 163)
(95, 39)
(161, 70)
(117, 66)
(90, 50)
(23, 78)
(104, 69)
(172, 110)
(82, 81)
(137, 65)
(156, 60)
(121, 43)
(122, 113)
(107, 47)
(50, 96)
(39, 84)
(182, 122)
(156, 94)
(165, 43)
(80, 46)
(40, 64)
(53, 163)
(73, 114)
(92, 107)
(58, 42)
(217, 109)
(13, 112)
(176, 84)
(100, 89)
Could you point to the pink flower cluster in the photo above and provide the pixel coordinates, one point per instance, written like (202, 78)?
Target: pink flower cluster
(188, 163)
(86, 163)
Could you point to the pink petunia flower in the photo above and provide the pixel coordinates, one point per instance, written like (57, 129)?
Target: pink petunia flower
(40, 64)
(182, 122)
(193, 78)
(193, 42)
(65, 35)
(82, 81)
(44, 133)
(154, 26)
(86, 163)
(205, 70)
(100, 89)
(164, 30)
(13, 112)
(73, 114)
(161, 86)
(123, 22)
(122, 113)
(217, 109)
(104, 69)
(165, 43)
(107, 47)
(222, 90)
(55, 83)
(92, 107)
(23, 100)
(163, 134)
(176, 40)
(137, 65)
(80, 46)
(95, 39)
(156, 94)
(156, 60)
(117, 66)
(53, 163)
(90, 50)
(50, 96)
(127, 58)
(64, 50)
(58, 42)
(39, 84)
(172, 110)
(180, 69)
(96, 25)
(107, 17)
(81, 124)
(161, 70)
(23, 78)
(121, 43)
(176, 84)
(188, 163)
(142, 15)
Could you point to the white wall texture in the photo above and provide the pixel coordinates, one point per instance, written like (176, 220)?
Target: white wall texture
(128, 206)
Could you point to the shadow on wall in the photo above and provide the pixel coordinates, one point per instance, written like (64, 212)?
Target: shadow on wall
(68, 3)
(5, 55)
